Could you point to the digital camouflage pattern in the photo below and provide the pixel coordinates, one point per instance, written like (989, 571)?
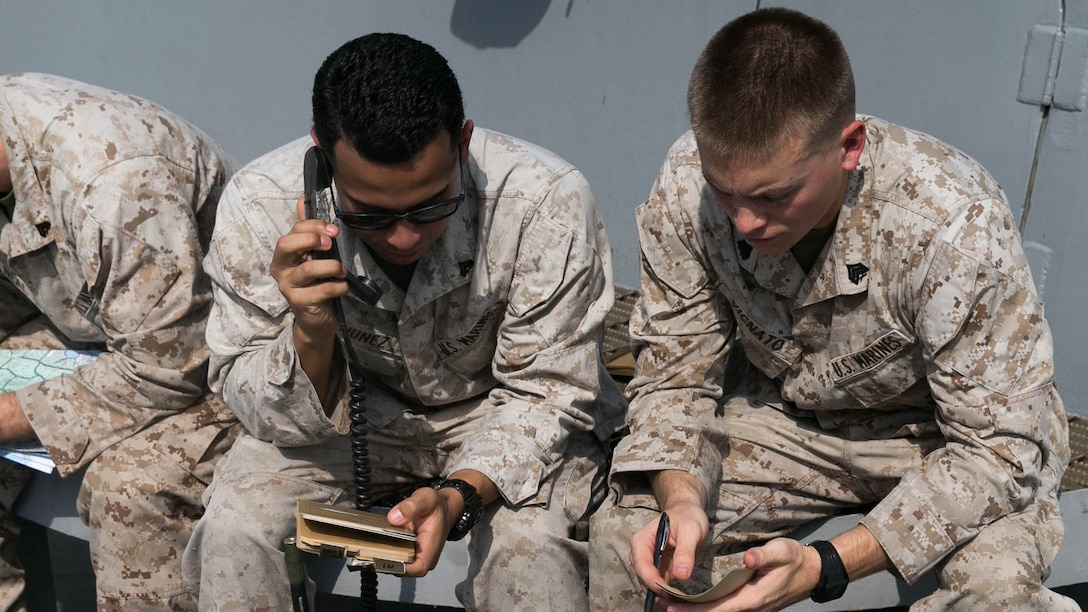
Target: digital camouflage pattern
(505, 310)
(114, 205)
(919, 321)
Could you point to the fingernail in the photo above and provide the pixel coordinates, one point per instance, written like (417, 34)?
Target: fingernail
(395, 515)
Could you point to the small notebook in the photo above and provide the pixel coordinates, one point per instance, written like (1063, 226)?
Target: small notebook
(729, 583)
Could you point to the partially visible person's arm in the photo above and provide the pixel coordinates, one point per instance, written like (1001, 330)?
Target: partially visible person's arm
(682, 338)
(990, 357)
(261, 361)
(137, 253)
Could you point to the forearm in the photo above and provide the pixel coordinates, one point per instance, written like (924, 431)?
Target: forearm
(860, 552)
(316, 356)
(672, 487)
(13, 423)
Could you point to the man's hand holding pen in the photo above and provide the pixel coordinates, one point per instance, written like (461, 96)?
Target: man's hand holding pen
(660, 540)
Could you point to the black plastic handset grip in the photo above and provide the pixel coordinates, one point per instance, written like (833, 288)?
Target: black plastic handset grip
(317, 183)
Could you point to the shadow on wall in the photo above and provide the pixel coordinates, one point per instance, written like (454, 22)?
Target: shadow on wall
(496, 23)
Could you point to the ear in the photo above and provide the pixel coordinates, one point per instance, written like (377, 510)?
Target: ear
(313, 136)
(466, 137)
(852, 142)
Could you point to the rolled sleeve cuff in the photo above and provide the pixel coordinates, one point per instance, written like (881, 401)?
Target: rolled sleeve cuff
(680, 449)
(516, 471)
(911, 534)
(62, 432)
(303, 421)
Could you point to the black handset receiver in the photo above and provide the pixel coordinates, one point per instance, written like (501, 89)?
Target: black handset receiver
(319, 204)
(318, 201)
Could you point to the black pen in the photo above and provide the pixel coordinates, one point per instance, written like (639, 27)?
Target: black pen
(659, 549)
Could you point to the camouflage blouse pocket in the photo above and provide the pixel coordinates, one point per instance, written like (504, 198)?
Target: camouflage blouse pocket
(472, 352)
(881, 370)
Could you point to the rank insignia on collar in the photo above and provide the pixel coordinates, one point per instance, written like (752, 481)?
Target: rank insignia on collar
(465, 267)
(744, 249)
(856, 272)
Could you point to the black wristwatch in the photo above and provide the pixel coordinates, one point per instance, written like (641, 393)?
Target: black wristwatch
(474, 508)
(833, 578)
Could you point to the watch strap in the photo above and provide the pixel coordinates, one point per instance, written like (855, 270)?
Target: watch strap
(474, 507)
(833, 576)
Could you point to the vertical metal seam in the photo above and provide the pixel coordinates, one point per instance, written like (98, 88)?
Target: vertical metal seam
(1026, 208)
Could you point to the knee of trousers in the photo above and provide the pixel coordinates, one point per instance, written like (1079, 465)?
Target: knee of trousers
(611, 528)
(613, 584)
(161, 496)
(506, 535)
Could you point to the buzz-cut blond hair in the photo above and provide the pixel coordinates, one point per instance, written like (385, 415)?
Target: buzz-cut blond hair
(768, 79)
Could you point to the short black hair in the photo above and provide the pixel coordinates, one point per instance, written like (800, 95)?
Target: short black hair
(388, 96)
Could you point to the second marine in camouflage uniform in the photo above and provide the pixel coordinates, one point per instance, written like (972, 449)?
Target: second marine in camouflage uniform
(489, 361)
(113, 200)
(911, 368)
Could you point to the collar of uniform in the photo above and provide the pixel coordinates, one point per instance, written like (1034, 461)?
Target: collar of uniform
(449, 262)
(843, 269)
(778, 273)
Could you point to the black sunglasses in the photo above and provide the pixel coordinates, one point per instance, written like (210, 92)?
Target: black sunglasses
(427, 213)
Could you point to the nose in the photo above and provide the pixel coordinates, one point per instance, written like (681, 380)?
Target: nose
(402, 236)
(746, 219)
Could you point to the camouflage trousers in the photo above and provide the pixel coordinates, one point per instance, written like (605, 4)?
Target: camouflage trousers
(141, 499)
(528, 557)
(13, 478)
(1002, 568)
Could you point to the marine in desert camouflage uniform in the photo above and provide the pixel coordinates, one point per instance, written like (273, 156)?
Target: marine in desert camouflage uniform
(108, 209)
(836, 315)
(482, 355)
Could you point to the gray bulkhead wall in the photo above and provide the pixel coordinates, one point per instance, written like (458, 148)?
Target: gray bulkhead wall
(602, 82)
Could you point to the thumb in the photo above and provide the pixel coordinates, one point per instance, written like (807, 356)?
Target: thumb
(396, 516)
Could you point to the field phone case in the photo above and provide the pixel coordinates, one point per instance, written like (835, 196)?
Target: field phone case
(337, 531)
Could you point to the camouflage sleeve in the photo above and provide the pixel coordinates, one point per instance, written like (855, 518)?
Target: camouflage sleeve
(991, 375)
(548, 358)
(139, 252)
(254, 366)
(681, 339)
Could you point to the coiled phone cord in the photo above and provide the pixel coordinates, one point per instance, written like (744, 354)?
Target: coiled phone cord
(360, 453)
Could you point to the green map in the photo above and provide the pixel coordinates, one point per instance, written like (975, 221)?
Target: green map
(21, 368)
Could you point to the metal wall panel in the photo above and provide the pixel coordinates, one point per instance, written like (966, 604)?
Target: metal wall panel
(602, 83)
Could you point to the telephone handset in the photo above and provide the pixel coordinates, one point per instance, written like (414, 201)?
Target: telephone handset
(319, 204)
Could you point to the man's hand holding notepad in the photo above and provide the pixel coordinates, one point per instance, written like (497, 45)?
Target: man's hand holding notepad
(732, 581)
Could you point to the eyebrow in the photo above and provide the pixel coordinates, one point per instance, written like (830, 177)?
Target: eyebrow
(768, 193)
